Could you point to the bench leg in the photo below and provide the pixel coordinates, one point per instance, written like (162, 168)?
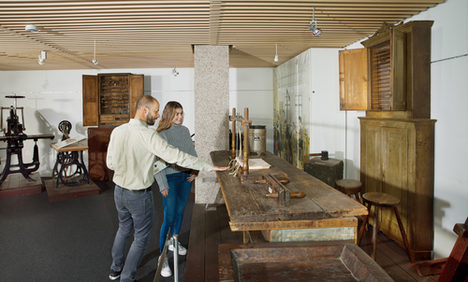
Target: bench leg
(245, 237)
(364, 224)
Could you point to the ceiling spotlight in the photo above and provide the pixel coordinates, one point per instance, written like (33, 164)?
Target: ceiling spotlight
(175, 72)
(313, 26)
(42, 57)
(31, 28)
(276, 53)
(94, 57)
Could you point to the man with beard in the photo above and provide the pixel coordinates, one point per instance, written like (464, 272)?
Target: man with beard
(131, 154)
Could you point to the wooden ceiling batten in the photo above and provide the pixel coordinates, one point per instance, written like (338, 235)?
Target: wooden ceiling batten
(150, 33)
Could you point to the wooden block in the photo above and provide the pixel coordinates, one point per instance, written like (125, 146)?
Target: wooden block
(16, 185)
(64, 192)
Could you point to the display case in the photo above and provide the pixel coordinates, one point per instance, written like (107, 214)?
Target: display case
(110, 99)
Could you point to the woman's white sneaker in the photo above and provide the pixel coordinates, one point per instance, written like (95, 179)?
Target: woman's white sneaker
(165, 270)
(182, 250)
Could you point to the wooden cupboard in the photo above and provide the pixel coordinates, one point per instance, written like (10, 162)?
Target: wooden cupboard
(390, 74)
(397, 157)
(397, 134)
(109, 99)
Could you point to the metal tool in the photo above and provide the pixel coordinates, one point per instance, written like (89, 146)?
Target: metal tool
(296, 195)
(323, 155)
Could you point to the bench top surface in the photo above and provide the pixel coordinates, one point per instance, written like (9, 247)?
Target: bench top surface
(247, 203)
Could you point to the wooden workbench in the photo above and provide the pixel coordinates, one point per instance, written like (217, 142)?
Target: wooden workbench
(323, 214)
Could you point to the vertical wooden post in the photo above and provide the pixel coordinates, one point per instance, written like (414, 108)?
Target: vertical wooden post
(245, 123)
(233, 141)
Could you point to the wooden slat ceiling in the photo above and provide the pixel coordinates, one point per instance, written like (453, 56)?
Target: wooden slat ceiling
(153, 34)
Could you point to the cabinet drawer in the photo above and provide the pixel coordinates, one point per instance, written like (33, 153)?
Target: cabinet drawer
(113, 119)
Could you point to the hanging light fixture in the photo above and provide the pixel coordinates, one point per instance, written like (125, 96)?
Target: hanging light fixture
(175, 72)
(94, 57)
(276, 53)
(313, 26)
(42, 57)
(31, 28)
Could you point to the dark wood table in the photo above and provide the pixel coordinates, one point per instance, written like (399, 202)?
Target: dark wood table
(323, 214)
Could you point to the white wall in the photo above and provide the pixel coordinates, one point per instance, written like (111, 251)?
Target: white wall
(53, 96)
(449, 106)
(253, 88)
(331, 129)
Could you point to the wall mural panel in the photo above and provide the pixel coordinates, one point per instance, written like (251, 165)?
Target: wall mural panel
(292, 90)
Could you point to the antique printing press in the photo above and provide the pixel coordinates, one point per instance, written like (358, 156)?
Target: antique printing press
(14, 136)
(239, 164)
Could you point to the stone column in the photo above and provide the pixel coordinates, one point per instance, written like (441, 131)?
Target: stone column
(211, 113)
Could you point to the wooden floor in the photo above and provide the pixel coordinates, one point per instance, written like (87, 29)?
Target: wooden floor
(210, 228)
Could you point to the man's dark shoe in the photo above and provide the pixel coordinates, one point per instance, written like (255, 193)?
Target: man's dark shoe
(114, 275)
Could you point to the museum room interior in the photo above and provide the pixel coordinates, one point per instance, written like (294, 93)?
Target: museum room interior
(358, 106)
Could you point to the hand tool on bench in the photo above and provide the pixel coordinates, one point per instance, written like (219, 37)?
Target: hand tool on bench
(296, 195)
(281, 192)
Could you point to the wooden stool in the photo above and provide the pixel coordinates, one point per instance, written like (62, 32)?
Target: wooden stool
(350, 187)
(382, 200)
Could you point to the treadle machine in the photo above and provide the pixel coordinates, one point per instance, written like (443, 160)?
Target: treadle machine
(69, 167)
(14, 136)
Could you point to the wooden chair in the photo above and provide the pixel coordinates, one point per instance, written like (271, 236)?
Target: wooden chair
(350, 187)
(382, 200)
(453, 268)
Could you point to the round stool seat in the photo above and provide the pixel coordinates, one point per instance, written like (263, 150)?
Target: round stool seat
(349, 185)
(381, 199)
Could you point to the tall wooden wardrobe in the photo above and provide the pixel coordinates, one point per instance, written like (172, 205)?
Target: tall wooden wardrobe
(397, 133)
(109, 99)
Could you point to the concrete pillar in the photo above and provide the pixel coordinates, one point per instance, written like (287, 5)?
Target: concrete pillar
(211, 113)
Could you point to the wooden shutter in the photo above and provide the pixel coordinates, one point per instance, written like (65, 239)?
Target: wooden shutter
(90, 100)
(136, 91)
(353, 79)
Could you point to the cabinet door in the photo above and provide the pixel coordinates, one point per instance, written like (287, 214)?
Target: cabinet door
(353, 79)
(394, 153)
(90, 100)
(371, 146)
(136, 91)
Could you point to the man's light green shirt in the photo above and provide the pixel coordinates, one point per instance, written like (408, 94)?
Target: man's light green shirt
(132, 153)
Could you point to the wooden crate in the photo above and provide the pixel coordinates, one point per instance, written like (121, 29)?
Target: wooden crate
(336, 261)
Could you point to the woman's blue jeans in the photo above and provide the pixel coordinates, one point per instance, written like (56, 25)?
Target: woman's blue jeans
(174, 204)
(135, 210)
